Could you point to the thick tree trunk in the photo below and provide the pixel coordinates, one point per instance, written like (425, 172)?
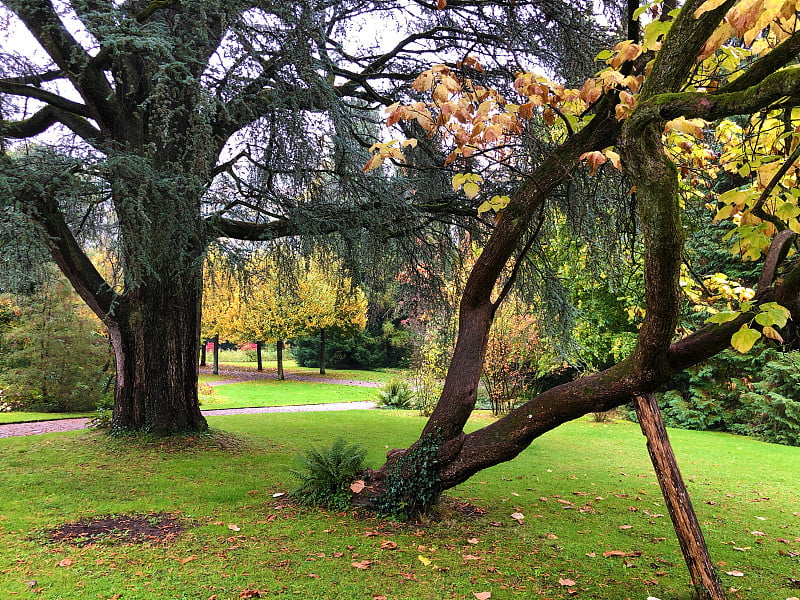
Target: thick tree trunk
(687, 527)
(259, 365)
(155, 344)
(279, 354)
(322, 352)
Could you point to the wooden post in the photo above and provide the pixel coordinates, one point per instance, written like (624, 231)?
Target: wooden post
(687, 528)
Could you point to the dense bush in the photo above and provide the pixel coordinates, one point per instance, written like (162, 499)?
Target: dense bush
(326, 474)
(755, 394)
(368, 349)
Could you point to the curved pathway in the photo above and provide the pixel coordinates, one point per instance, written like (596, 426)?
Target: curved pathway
(231, 376)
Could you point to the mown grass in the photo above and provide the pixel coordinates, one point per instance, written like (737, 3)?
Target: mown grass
(584, 489)
(25, 417)
(270, 392)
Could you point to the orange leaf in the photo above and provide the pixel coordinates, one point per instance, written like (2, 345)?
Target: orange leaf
(65, 562)
(388, 545)
(364, 564)
(482, 595)
(441, 4)
(566, 582)
(357, 486)
(188, 559)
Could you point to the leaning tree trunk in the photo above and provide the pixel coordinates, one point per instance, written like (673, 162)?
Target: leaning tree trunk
(155, 346)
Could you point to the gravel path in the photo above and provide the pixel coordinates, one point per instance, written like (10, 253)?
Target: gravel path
(230, 376)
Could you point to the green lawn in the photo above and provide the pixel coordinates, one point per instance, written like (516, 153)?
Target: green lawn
(270, 392)
(24, 417)
(585, 490)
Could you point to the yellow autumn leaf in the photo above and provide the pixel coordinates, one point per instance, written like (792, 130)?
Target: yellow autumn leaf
(471, 189)
(691, 127)
(424, 81)
(423, 560)
(707, 6)
(744, 339)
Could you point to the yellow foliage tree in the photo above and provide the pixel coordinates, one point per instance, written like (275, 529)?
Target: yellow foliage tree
(330, 302)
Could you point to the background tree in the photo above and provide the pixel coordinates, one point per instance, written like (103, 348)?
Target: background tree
(271, 307)
(157, 112)
(329, 303)
(54, 353)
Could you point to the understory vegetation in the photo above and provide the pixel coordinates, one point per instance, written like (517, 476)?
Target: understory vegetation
(578, 514)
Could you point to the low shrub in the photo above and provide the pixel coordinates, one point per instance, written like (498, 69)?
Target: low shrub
(325, 474)
(396, 393)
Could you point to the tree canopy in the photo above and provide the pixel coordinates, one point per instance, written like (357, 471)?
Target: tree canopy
(156, 127)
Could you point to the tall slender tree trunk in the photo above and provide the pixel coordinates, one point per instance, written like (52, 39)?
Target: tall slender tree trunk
(203, 353)
(155, 343)
(322, 352)
(259, 365)
(215, 368)
(279, 354)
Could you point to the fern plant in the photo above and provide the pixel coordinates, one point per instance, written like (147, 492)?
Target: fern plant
(396, 393)
(325, 474)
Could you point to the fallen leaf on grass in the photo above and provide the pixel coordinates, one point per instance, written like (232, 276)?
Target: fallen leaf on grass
(364, 564)
(388, 545)
(566, 582)
(233, 527)
(626, 526)
(249, 594)
(188, 559)
(621, 553)
(423, 560)
(473, 540)
(379, 597)
(482, 595)
(357, 486)
(518, 517)
(735, 573)
(65, 562)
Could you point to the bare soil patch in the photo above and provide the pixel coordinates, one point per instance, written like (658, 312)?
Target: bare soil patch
(154, 528)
